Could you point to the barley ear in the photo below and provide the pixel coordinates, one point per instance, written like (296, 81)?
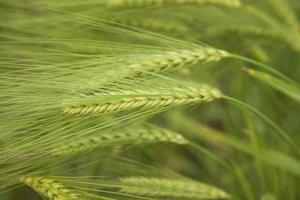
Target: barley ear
(132, 135)
(176, 188)
(156, 101)
(50, 189)
(143, 3)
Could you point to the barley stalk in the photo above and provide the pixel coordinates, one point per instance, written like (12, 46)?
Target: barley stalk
(130, 101)
(141, 3)
(135, 135)
(50, 188)
(162, 187)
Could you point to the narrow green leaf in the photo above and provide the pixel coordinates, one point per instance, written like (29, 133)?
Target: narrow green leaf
(289, 89)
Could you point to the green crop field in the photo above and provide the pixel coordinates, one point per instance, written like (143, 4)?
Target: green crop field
(149, 99)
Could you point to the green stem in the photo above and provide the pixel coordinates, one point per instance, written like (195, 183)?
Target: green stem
(210, 154)
(264, 67)
(281, 132)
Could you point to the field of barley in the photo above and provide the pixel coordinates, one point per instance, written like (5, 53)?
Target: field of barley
(149, 100)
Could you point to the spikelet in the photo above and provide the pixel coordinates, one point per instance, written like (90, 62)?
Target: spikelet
(129, 100)
(247, 30)
(162, 187)
(140, 3)
(134, 135)
(49, 188)
(151, 24)
(290, 38)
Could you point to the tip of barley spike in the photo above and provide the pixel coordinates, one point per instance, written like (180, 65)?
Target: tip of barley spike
(216, 93)
(248, 71)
